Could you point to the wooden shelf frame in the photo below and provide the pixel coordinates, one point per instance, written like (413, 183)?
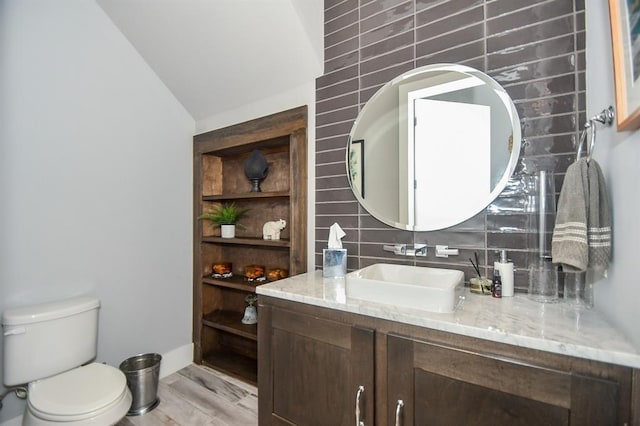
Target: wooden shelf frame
(220, 339)
(247, 241)
(246, 196)
(237, 282)
(235, 365)
(230, 321)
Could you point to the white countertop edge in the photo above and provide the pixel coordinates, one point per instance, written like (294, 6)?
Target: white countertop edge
(447, 323)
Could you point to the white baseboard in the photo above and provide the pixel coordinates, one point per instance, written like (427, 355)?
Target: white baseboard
(176, 359)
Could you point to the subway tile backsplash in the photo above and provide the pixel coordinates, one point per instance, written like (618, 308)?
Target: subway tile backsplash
(534, 49)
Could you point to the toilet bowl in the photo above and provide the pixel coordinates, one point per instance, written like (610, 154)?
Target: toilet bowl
(96, 394)
(52, 348)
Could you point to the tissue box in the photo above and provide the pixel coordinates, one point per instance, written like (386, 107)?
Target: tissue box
(334, 263)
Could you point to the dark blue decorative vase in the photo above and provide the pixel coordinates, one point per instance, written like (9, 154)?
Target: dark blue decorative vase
(256, 169)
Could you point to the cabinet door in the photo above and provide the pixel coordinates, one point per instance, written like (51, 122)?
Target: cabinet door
(446, 386)
(316, 368)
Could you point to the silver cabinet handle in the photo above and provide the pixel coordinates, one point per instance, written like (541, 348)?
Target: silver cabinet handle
(399, 406)
(359, 422)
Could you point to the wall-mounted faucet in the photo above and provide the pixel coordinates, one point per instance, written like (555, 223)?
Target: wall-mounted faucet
(403, 250)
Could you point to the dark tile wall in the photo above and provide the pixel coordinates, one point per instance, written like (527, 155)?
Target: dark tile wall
(535, 49)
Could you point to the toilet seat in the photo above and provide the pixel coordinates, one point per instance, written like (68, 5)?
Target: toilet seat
(80, 394)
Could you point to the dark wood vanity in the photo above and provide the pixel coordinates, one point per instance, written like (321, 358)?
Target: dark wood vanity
(313, 360)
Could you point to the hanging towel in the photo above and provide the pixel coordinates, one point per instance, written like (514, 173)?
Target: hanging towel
(569, 244)
(598, 220)
(582, 234)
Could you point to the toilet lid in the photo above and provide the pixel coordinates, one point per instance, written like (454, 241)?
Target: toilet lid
(79, 391)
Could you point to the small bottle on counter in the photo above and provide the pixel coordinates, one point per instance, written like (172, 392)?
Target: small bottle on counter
(506, 274)
(496, 286)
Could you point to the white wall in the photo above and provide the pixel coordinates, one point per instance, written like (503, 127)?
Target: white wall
(619, 156)
(95, 179)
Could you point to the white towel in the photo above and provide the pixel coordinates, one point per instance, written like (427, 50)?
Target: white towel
(582, 235)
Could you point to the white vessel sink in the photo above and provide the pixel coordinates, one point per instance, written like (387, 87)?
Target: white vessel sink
(416, 287)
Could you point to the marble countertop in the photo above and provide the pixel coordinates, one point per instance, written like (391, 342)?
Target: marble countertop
(559, 328)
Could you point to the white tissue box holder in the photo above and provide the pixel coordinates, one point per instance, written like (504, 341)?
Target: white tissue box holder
(334, 263)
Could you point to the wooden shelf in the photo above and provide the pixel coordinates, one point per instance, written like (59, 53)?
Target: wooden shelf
(248, 241)
(246, 196)
(233, 364)
(220, 339)
(229, 321)
(237, 282)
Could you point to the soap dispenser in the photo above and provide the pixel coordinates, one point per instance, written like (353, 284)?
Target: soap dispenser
(506, 274)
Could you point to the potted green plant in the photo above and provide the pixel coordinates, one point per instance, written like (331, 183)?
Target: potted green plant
(226, 216)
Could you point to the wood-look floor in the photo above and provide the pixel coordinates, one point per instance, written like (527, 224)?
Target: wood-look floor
(200, 396)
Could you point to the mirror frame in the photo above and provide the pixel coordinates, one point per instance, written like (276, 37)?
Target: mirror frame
(510, 167)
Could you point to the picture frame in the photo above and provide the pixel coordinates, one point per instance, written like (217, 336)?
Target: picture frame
(356, 166)
(625, 39)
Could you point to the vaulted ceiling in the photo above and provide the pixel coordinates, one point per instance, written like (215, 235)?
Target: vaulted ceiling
(218, 55)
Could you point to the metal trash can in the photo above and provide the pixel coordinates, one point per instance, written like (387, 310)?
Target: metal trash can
(142, 372)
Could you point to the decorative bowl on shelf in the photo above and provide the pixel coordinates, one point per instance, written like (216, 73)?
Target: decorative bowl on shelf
(222, 270)
(275, 274)
(254, 273)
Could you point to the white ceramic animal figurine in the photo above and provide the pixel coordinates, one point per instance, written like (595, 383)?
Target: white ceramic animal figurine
(271, 230)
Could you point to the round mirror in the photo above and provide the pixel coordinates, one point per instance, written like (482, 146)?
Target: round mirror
(433, 147)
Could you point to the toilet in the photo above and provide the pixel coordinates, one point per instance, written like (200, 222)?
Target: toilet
(50, 347)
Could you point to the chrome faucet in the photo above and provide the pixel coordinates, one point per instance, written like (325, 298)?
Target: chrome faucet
(402, 250)
(418, 250)
(399, 249)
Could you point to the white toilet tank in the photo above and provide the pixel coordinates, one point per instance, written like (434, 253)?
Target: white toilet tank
(48, 339)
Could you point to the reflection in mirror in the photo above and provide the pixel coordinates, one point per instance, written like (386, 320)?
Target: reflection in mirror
(433, 147)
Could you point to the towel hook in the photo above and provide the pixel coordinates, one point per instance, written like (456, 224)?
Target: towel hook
(605, 117)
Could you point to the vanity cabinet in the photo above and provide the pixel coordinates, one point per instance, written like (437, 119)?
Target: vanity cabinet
(312, 368)
(220, 339)
(313, 361)
(444, 385)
